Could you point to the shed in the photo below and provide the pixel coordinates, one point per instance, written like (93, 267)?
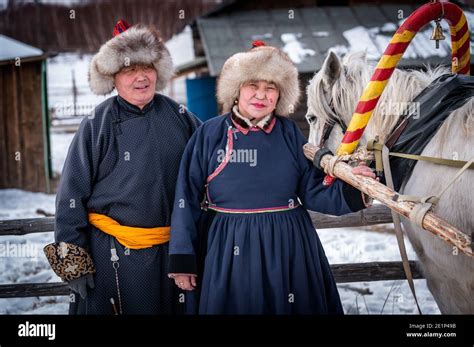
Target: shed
(24, 128)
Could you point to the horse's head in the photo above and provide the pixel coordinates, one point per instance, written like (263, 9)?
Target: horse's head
(333, 94)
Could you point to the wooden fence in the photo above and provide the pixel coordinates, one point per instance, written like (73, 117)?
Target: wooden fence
(343, 273)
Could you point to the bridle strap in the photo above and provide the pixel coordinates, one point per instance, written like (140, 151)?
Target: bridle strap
(329, 125)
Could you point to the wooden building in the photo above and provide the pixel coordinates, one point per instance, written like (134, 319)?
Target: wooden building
(24, 135)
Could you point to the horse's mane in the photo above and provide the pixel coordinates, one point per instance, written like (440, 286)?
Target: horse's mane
(356, 72)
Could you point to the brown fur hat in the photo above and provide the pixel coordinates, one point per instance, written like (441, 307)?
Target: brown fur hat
(136, 45)
(261, 63)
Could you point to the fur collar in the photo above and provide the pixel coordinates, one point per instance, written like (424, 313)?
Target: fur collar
(244, 124)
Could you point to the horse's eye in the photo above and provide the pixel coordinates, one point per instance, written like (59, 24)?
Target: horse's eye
(311, 118)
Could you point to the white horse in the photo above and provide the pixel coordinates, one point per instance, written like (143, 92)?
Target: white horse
(335, 90)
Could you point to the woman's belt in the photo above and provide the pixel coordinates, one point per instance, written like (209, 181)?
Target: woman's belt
(252, 210)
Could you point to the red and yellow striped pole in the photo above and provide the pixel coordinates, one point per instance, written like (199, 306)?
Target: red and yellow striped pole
(461, 58)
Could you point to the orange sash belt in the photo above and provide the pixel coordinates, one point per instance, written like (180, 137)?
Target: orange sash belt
(130, 237)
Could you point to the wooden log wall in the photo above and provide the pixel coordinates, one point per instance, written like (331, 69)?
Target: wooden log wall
(85, 26)
(21, 137)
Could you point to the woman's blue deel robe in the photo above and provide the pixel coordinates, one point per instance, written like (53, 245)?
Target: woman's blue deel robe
(263, 255)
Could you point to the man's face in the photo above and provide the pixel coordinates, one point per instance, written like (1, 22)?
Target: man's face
(136, 84)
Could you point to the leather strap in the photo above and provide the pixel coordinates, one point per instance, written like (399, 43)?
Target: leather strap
(318, 155)
(398, 229)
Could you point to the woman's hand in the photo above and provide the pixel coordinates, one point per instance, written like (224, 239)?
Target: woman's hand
(185, 282)
(363, 170)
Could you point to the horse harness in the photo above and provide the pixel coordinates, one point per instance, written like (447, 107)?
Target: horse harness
(413, 131)
(410, 136)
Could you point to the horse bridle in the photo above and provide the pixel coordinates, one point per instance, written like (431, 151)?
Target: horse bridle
(329, 125)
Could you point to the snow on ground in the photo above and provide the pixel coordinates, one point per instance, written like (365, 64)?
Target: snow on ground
(355, 245)
(21, 257)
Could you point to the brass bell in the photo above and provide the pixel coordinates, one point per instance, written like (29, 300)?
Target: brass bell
(437, 33)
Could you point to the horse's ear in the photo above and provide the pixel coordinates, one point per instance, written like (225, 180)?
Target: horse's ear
(331, 69)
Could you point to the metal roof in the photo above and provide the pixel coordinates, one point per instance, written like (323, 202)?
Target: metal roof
(307, 34)
(12, 49)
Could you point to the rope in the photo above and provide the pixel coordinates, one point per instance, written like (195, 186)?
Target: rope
(361, 154)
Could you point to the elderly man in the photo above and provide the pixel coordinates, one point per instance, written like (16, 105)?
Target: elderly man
(115, 197)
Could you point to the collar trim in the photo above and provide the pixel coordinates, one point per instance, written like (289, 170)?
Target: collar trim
(135, 109)
(245, 125)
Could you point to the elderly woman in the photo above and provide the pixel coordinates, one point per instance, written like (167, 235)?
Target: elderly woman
(263, 255)
(114, 201)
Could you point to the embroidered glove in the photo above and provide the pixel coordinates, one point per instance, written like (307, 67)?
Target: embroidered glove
(69, 261)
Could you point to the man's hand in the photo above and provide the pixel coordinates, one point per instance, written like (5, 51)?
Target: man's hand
(185, 282)
(79, 285)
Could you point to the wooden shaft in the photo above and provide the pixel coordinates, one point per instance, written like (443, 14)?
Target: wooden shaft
(380, 192)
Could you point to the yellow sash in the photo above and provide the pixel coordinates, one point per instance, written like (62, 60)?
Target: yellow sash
(130, 237)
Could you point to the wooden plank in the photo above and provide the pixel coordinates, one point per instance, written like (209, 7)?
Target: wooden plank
(3, 130)
(374, 271)
(377, 214)
(343, 273)
(32, 128)
(25, 290)
(26, 226)
(14, 178)
(30, 131)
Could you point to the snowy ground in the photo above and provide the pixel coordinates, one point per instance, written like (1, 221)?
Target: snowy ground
(355, 245)
(24, 262)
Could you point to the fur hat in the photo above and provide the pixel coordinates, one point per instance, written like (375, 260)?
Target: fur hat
(130, 45)
(261, 63)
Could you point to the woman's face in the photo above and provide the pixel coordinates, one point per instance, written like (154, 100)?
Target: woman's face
(257, 99)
